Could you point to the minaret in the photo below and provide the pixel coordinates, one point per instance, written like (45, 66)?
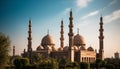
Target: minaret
(101, 37)
(71, 34)
(13, 50)
(62, 36)
(30, 36)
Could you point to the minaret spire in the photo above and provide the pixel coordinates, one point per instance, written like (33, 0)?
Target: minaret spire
(30, 36)
(71, 34)
(13, 50)
(62, 36)
(101, 37)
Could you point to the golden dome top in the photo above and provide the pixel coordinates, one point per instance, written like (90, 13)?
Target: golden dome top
(47, 40)
(79, 40)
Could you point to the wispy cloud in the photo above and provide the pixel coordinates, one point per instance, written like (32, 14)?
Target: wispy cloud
(113, 2)
(110, 4)
(98, 11)
(112, 17)
(90, 14)
(83, 3)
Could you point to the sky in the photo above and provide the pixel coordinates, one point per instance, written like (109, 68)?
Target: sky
(47, 15)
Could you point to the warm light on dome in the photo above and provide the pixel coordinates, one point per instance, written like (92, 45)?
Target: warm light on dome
(47, 40)
(79, 40)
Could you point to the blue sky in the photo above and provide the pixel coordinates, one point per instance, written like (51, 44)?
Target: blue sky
(47, 14)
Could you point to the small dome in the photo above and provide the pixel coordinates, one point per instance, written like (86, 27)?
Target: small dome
(60, 49)
(75, 48)
(82, 48)
(47, 40)
(79, 40)
(48, 48)
(40, 48)
(65, 48)
(90, 49)
(54, 48)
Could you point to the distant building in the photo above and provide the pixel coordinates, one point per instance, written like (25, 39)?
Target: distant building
(75, 51)
(117, 55)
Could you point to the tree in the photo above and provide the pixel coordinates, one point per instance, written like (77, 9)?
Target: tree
(62, 63)
(72, 65)
(110, 66)
(48, 63)
(84, 65)
(92, 65)
(36, 59)
(98, 63)
(21, 62)
(4, 50)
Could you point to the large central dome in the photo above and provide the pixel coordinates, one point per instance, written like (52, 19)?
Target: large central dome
(47, 40)
(79, 40)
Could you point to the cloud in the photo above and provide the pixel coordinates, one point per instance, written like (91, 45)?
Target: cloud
(112, 17)
(83, 3)
(90, 14)
(110, 4)
(66, 11)
(98, 11)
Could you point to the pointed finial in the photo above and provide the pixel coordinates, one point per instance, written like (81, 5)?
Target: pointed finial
(30, 21)
(101, 18)
(71, 12)
(77, 30)
(24, 51)
(62, 21)
(14, 50)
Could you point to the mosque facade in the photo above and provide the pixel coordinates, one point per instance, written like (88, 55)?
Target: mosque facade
(75, 51)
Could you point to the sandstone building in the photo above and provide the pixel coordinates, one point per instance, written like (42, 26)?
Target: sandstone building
(75, 51)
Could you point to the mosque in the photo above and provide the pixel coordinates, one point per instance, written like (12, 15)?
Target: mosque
(75, 51)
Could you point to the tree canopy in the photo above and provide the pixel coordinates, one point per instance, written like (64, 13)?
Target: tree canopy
(4, 49)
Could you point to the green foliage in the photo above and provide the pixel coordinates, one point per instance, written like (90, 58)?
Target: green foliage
(4, 49)
(48, 63)
(98, 63)
(72, 65)
(9, 67)
(62, 63)
(30, 67)
(92, 65)
(84, 65)
(20, 62)
(36, 59)
(110, 66)
(115, 62)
